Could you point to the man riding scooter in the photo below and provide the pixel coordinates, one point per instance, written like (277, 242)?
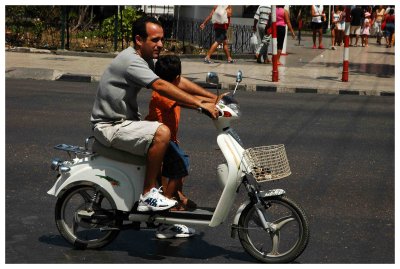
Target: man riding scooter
(115, 114)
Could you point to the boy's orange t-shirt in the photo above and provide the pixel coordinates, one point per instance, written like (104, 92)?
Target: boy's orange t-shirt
(166, 111)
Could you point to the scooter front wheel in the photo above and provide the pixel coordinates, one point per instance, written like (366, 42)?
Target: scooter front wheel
(287, 236)
(85, 217)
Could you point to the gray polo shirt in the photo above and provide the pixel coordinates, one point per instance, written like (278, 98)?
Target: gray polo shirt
(262, 14)
(116, 98)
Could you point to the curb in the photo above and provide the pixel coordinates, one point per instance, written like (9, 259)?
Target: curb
(285, 89)
(47, 74)
(74, 78)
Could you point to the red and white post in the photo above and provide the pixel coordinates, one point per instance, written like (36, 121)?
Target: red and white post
(345, 73)
(275, 74)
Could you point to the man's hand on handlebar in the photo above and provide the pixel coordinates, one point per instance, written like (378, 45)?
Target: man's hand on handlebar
(210, 110)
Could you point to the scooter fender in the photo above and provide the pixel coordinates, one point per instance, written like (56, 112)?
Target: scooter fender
(122, 181)
(270, 193)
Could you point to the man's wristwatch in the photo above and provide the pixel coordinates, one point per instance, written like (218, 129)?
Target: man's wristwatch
(199, 109)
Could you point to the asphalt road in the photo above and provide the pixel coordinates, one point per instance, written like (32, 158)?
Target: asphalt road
(340, 147)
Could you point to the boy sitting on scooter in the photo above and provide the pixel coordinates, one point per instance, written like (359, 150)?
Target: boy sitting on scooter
(176, 162)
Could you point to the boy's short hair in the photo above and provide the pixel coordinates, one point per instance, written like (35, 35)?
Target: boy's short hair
(168, 67)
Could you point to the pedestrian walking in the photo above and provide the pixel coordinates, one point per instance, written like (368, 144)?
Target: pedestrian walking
(341, 26)
(355, 24)
(299, 25)
(262, 25)
(366, 29)
(389, 30)
(220, 16)
(318, 17)
(334, 26)
(282, 20)
(379, 14)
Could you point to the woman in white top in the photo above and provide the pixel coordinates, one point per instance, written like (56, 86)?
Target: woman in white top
(318, 17)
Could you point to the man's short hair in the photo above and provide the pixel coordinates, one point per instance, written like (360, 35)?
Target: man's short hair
(168, 67)
(139, 26)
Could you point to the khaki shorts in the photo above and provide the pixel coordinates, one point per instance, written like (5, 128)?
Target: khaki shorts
(355, 30)
(134, 137)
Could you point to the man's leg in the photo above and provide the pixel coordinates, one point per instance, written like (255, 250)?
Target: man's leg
(155, 156)
(226, 50)
(152, 199)
(260, 30)
(214, 46)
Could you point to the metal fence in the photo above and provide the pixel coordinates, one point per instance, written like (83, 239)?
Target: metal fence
(188, 32)
(184, 33)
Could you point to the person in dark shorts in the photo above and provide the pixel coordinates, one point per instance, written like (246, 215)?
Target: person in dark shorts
(318, 17)
(221, 18)
(176, 163)
(282, 20)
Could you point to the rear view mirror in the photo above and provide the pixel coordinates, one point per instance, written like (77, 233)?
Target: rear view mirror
(212, 78)
(239, 76)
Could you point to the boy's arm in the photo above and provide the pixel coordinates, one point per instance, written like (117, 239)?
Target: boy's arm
(172, 92)
(194, 89)
(201, 98)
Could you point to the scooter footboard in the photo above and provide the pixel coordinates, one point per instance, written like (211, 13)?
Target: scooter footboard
(110, 175)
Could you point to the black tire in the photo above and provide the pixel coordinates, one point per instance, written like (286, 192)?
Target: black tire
(281, 246)
(84, 232)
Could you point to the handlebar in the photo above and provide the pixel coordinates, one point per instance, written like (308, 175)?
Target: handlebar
(207, 113)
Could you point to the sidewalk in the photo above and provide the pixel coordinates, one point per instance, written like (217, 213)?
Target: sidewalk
(371, 70)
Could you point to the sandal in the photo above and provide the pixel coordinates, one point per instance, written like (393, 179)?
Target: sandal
(179, 207)
(208, 61)
(186, 202)
(231, 61)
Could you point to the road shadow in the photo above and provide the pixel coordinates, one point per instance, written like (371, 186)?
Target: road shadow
(194, 248)
(382, 52)
(144, 246)
(371, 69)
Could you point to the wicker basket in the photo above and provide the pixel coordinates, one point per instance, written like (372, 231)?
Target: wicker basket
(267, 163)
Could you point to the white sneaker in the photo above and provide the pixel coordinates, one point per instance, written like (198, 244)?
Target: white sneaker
(155, 201)
(174, 231)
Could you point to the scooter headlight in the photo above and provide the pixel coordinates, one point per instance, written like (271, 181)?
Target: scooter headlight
(230, 102)
(235, 108)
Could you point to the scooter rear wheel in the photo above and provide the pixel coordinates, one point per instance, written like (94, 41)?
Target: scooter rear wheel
(285, 241)
(79, 219)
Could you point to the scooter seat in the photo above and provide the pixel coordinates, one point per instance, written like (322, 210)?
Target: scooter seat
(117, 155)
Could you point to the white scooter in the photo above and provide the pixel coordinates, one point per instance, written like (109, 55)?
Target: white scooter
(97, 191)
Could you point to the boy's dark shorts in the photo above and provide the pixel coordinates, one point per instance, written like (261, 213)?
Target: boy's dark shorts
(220, 35)
(176, 162)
